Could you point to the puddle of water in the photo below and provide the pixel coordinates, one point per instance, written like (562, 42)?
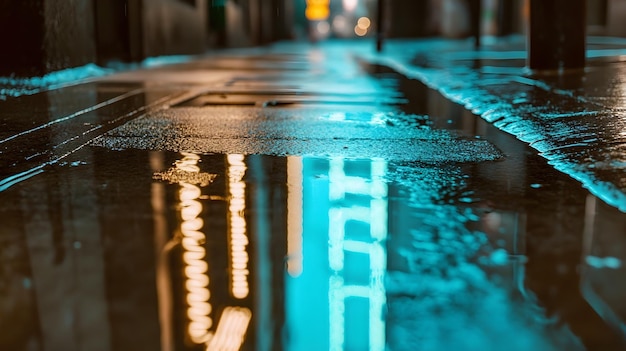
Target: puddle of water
(177, 251)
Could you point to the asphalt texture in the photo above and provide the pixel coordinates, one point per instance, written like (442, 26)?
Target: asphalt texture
(316, 197)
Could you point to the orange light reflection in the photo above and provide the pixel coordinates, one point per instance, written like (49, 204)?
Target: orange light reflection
(196, 267)
(238, 230)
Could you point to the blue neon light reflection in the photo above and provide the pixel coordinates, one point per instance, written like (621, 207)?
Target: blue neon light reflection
(340, 289)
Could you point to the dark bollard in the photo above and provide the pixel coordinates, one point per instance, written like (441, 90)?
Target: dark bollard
(557, 34)
(475, 20)
(505, 17)
(217, 21)
(380, 25)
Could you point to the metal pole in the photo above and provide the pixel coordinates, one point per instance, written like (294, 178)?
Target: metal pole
(557, 34)
(380, 25)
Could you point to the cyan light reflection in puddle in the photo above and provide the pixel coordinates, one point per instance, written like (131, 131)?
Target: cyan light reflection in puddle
(344, 257)
(237, 225)
(194, 255)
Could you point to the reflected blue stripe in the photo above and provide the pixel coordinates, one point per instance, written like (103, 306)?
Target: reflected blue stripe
(20, 177)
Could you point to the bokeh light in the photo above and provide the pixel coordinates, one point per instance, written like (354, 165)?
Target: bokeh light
(364, 22)
(360, 31)
(323, 28)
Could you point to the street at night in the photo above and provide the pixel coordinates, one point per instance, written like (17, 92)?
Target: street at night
(319, 194)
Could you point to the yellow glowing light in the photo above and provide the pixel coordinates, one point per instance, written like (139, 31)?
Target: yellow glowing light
(317, 13)
(363, 22)
(196, 268)
(186, 171)
(360, 31)
(231, 329)
(317, 10)
(238, 231)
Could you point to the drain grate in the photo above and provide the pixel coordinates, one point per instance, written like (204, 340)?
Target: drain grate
(242, 99)
(282, 98)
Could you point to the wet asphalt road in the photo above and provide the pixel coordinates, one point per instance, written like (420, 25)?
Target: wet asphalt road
(291, 199)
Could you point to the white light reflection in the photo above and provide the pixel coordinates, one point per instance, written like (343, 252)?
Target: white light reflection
(340, 25)
(350, 5)
(323, 28)
(196, 267)
(375, 214)
(294, 216)
(237, 222)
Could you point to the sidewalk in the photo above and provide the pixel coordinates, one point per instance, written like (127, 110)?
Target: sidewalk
(575, 120)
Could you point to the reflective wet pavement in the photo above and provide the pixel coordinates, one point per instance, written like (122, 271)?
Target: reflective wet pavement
(297, 202)
(575, 119)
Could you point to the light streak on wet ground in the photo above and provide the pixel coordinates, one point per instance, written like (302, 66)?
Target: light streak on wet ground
(391, 220)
